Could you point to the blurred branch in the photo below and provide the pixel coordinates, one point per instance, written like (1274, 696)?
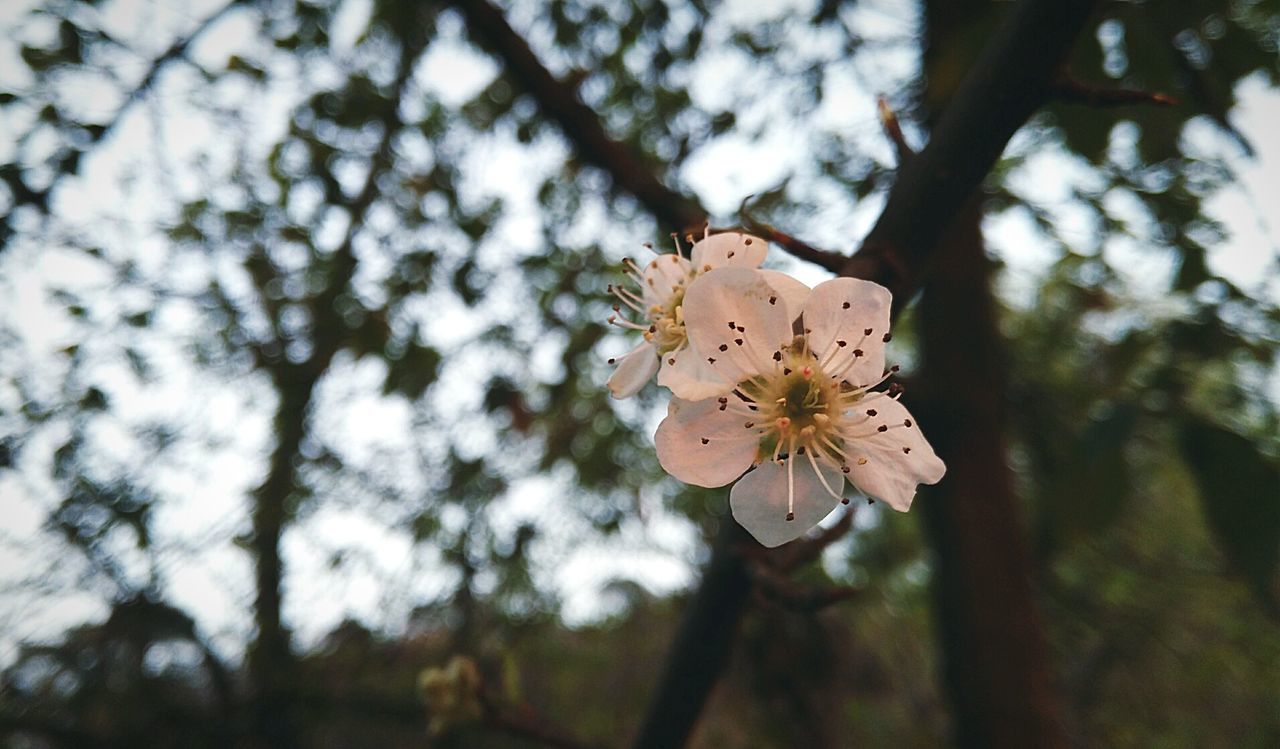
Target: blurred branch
(1068, 89)
(96, 135)
(1011, 79)
(893, 129)
(560, 103)
(795, 247)
(271, 662)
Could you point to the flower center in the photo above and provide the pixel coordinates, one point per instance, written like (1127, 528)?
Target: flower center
(798, 409)
(667, 332)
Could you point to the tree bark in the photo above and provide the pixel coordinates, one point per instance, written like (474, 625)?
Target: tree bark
(995, 661)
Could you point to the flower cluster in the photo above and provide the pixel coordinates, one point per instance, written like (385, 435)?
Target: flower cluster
(774, 385)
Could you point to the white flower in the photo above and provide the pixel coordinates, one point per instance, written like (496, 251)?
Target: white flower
(801, 411)
(658, 305)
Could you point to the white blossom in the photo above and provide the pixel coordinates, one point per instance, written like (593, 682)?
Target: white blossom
(801, 414)
(656, 301)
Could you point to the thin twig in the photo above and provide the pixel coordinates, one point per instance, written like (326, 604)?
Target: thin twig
(893, 129)
(795, 247)
(1068, 89)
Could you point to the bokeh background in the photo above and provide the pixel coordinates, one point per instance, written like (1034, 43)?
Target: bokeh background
(303, 344)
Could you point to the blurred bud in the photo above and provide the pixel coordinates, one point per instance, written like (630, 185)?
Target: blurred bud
(451, 694)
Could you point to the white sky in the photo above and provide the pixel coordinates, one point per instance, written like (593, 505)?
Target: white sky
(386, 574)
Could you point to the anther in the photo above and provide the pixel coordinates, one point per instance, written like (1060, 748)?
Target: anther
(724, 347)
(882, 428)
(844, 500)
(706, 268)
(791, 516)
(747, 240)
(738, 341)
(777, 356)
(867, 331)
(671, 361)
(844, 469)
(786, 370)
(748, 425)
(906, 422)
(800, 450)
(862, 461)
(871, 412)
(741, 329)
(887, 337)
(711, 360)
(731, 254)
(857, 352)
(870, 501)
(894, 368)
(842, 344)
(732, 325)
(705, 441)
(773, 300)
(612, 360)
(905, 449)
(845, 305)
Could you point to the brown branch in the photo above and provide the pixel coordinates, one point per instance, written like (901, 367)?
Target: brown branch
(893, 129)
(1068, 89)
(795, 247)
(1008, 83)
(560, 103)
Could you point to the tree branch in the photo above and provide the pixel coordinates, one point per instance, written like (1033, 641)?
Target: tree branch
(559, 102)
(1009, 82)
(1068, 89)
(97, 134)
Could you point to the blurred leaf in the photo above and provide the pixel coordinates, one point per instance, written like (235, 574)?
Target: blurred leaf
(1093, 482)
(1240, 496)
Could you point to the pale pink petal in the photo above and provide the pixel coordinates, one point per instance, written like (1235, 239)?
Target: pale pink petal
(728, 249)
(634, 370)
(837, 316)
(704, 446)
(896, 459)
(688, 376)
(662, 276)
(759, 500)
(791, 293)
(736, 322)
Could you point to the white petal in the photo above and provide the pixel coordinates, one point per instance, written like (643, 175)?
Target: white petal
(704, 446)
(662, 276)
(891, 473)
(728, 249)
(791, 293)
(633, 371)
(688, 376)
(735, 322)
(843, 309)
(759, 500)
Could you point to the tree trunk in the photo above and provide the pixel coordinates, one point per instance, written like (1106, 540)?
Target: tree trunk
(995, 662)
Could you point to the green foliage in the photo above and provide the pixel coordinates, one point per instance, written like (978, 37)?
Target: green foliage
(1240, 496)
